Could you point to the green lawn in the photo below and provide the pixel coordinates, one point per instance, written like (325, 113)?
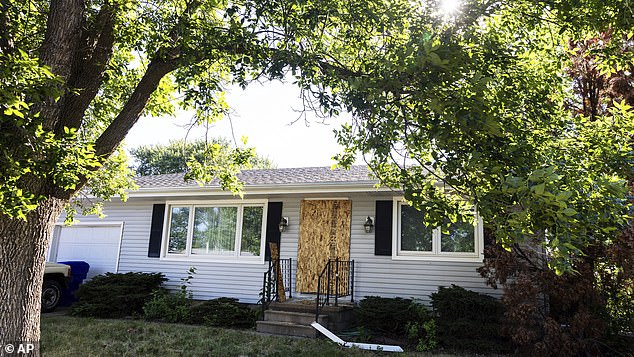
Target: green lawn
(65, 336)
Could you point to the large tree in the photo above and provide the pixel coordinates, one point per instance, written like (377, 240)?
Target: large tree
(178, 156)
(76, 75)
(469, 109)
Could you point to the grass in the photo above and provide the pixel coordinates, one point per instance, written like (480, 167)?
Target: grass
(65, 336)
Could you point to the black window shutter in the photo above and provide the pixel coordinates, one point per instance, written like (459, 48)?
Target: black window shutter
(156, 231)
(489, 244)
(273, 235)
(383, 228)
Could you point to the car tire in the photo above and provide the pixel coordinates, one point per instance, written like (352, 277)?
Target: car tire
(51, 294)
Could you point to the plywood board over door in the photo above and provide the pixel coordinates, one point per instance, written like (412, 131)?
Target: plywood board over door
(324, 234)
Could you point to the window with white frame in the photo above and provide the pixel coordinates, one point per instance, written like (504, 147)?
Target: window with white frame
(215, 230)
(415, 240)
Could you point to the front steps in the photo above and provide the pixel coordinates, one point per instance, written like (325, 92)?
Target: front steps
(293, 318)
(286, 329)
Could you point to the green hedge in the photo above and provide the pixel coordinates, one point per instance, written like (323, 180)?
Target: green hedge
(116, 295)
(222, 312)
(400, 319)
(141, 294)
(389, 315)
(166, 306)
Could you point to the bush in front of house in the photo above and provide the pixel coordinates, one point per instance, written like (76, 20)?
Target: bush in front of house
(397, 318)
(223, 312)
(468, 321)
(179, 307)
(388, 315)
(166, 306)
(169, 306)
(116, 295)
(140, 294)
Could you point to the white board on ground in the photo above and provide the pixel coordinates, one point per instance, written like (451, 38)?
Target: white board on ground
(363, 346)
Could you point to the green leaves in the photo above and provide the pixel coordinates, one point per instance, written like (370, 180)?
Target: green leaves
(48, 136)
(479, 110)
(221, 162)
(474, 111)
(539, 189)
(23, 82)
(569, 211)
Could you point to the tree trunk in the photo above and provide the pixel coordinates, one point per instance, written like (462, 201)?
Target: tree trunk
(23, 246)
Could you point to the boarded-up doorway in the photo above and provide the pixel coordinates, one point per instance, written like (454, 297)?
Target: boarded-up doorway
(324, 234)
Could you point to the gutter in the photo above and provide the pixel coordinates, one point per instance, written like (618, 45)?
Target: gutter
(335, 187)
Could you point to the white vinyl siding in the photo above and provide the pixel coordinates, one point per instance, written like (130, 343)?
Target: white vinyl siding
(212, 279)
(374, 275)
(387, 277)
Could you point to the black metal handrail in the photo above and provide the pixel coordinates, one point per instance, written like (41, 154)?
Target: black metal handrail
(269, 282)
(335, 280)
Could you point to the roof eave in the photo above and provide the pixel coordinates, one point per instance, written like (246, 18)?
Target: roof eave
(329, 187)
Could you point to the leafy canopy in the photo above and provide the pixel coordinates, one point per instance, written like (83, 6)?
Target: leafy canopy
(476, 111)
(461, 112)
(76, 76)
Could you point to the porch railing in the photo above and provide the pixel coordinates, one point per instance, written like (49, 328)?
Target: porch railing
(270, 290)
(335, 281)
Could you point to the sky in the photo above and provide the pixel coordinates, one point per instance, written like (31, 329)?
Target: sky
(263, 113)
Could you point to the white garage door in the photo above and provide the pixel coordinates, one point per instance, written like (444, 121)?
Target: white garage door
(96, 245)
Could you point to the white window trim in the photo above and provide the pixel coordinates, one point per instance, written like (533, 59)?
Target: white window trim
(435, 254)
(235, 258)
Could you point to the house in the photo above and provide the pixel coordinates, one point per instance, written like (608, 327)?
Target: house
(314, 214)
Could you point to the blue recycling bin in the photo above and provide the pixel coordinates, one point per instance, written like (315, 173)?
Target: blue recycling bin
(79, 271)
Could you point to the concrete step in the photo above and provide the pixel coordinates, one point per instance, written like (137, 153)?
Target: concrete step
(335, 318)
(286, 328)
(300, 318)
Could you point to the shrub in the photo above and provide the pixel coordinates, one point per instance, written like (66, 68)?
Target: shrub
(168, 307)
(423, 336)
(466, 320)
(397, 317)
(116, 295)
(458, 303)
(223, 312)
(580, 313)
(388, 315)
(171, 307)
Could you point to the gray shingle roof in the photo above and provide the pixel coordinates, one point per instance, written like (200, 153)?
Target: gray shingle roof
(271, 177)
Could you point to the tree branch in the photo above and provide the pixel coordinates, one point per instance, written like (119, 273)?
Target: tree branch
(90, 64)
(63, 30)
(523, 255)
(118, 129)
(165, 60)
(6, 40)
